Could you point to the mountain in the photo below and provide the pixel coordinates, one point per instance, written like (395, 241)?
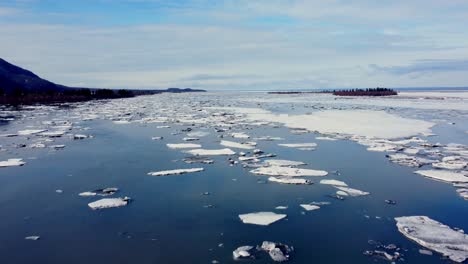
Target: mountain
(14, 78)
(20, 86)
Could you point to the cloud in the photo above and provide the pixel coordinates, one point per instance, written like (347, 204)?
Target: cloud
(229, 44)
(425, 67)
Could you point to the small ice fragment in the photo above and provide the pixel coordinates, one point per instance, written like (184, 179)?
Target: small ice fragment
(174, 172)
(156, 138)
(351, 191)
(300, 145)
(277, 251)
(109, 203)
(52, 134)
(211, 152)
(232, 144)
(183, 146)
(190, 139)
(12, 163)
(283, 163)
(287, 171)
(28, 132)
(32, 238)
(425, 252)
(261, 218)
(79, 136)
(240, 135)
(281, 207)
(242, 252)
(310, 207)
(334, 183)
(288, 180)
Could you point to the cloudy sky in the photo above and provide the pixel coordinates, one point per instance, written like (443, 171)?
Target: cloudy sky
(243, 44)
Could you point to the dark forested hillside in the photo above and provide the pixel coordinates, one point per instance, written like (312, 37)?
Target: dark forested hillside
(20, 86)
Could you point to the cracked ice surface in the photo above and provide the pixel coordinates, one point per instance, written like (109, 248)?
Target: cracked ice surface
(435, 236)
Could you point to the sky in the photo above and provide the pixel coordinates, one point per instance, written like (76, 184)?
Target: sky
(237, 45)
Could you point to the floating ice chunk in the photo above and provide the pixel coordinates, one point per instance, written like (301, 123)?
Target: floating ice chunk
(57, 146)
(451, 163)
(256, 157)
(443, 175)
(183, 146)
(342, 193)
(163, 127)
(268, 138)
(434, 236)
(278, 252)
(281, 207)
(109, 203)
(197, 134)
(121, 122)
(301, 146)
(410, 161)
(156, 138)
(261, 218)
(287, 180)
(334, 183)
(326, 138)
(287, 171)
(211, 152)
(463, 193)
(242, 252)
(28, 132)
(101, 192)
(32, 238)
(283, 163)
(79, 136)
(232, 144)
(53, 133)
(310, 207)
(190, 139)
(240, 135)
(382, 147)
(174, 172)
(351, 191)
(12, 163)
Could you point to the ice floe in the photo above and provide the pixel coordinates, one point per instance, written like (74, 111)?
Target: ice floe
(443, 175)
(287, 180)
(334, 183)
(175, 172)
(109, 203)
(351, 191)
(300, 146)
(240, 135)
(278, 252)
(310, 207)
(434, 236)
(183, 146)
(232, 144)
(261, 218)
(242, 252)
(12, 163)
(283, 163)
(211, 152)
(287, 171)
(100, 192)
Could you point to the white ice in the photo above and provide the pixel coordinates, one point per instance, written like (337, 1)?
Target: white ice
(174, 172)
(261, 218)
(434, 236)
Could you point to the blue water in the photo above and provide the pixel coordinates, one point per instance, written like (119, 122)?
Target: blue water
(167, 221)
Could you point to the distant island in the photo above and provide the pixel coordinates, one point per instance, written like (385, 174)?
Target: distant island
(20, 86)
(351, 92)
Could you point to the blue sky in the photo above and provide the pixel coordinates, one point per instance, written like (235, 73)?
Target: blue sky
(242, 44)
